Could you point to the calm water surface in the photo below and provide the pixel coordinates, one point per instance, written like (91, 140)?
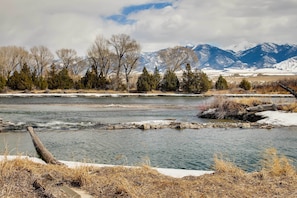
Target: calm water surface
(67, 127)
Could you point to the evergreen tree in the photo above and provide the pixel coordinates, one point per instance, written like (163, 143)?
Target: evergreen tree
(197, 82)
(13, 80)
(2, 82)
(38, 81)
(145, 81)
(188, 83)
(64, 80)
(221, 83)
(21, 80)
(205, 83)
(170, 81)
(244, 84)
(89, 80)
(52, 79)
(59, 80)
(156, 79)
(102, 82)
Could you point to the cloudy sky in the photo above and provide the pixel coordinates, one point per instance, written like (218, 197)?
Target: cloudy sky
(155, 24)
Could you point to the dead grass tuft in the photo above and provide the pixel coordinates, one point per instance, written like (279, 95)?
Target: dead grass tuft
(277, 165)
(292, 107)
(224, 166)
(249, 101)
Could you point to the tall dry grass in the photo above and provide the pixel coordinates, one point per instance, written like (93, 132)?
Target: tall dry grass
(276, 179)
(277, 165)
(291, 107)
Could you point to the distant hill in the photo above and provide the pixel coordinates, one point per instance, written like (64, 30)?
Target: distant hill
(265, 55)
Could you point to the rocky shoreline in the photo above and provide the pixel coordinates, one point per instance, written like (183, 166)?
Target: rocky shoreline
(6, 126)
(185, 125)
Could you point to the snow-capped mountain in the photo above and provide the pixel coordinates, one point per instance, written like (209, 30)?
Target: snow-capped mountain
(265, 55)
(242, 46)
(287, 65)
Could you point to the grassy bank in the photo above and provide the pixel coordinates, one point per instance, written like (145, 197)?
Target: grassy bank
(23, 178)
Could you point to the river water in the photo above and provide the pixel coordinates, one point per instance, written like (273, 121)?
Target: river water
(68, 127)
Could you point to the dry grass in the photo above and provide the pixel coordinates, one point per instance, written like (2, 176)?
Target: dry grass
(249, 101)
(277, 179)
(277, 165)
(292, 107)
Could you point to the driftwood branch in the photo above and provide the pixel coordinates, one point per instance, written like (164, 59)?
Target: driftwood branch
(41, 150)
(288, 89)
(260, 108)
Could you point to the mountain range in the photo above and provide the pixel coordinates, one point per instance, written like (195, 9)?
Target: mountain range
(258, 56)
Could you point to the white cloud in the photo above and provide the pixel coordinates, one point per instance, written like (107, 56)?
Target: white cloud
(75, 24)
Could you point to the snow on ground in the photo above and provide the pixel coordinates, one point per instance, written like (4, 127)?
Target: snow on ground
(278, 118)
(177, 173)
(249, 72)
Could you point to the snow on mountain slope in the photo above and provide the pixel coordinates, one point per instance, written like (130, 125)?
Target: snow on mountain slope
(288, 65)
(242, 46)
(265, 55)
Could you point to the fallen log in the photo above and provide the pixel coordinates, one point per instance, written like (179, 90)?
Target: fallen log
(260, 108)
(294, 93)
(41, 150)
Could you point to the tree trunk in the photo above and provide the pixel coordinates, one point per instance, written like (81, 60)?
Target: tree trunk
(44, 154)
(288, 89)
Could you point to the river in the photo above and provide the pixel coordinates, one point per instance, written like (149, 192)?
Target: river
(68, 127)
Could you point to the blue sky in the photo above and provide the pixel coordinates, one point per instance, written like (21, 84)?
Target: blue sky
(122, 17)
(155, 24)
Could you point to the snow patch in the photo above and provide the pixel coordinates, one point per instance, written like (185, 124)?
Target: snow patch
(278, 118)
(177, 173)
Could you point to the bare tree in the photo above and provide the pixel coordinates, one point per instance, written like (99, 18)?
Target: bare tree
(130, 63)
(100, 55)
(125, 48)
(12, 58)
(42, 58)
(78, 66)
(67, 56)
(177, 56)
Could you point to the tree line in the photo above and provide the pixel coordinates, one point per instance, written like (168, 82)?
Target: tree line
(108, 64)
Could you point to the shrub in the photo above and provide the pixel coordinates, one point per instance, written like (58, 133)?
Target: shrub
(244, 84)
(221, 83)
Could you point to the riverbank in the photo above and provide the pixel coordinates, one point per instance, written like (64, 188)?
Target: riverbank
(123, 94)
(25, 178)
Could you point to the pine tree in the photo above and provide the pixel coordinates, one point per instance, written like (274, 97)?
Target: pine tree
(145, 81)
(170, 81)
(221, 83)
(205, 83)
(52, 79)
(188, 80)
(156, 79)
(64, 80)
(2, 82)
(102, 82)
(195, 82)
(38, 81)
(21, 80)
(89, 81)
